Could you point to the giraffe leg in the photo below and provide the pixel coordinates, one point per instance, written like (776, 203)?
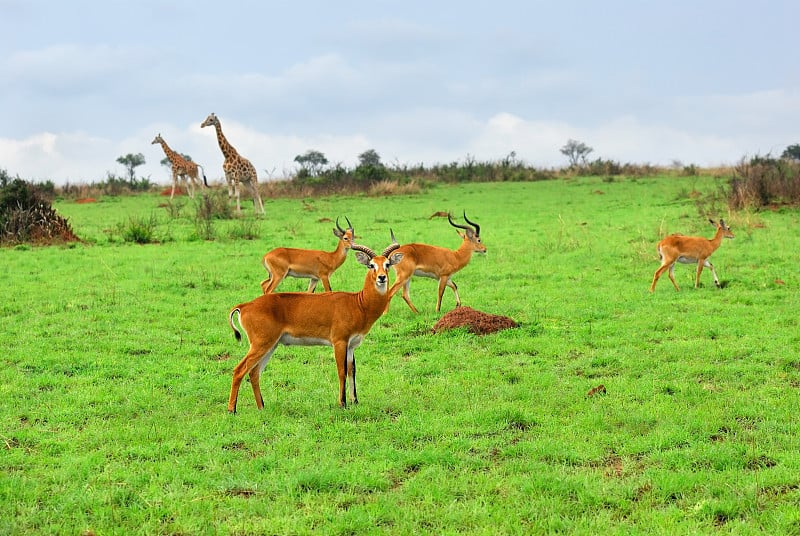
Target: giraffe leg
(237, 191)
(174, 182)
(258, 196)
(190, 184)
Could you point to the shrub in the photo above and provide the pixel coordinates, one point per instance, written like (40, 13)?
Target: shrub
(26, 215)
(245, 230)
(213, 204)
(139, 230)
(764, 181)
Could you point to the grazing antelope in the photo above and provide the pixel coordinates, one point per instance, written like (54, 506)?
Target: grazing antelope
(690, 250)
(316, 265)
(338, 319)
(437, 262)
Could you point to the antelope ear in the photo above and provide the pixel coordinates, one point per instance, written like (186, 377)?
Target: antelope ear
(338, 233)
(363, 258)
(395, 258)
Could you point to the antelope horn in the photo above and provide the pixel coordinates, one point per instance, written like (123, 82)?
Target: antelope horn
(454, 224)
(388, 251)
(394, 240)
(363, 249)
(337, 225)
(349, 225)
(477, 227)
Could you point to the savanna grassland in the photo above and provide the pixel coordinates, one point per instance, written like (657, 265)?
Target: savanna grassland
(117, 361)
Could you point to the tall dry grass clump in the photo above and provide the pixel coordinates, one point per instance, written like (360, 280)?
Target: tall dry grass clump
(26, 216)
(764, 181)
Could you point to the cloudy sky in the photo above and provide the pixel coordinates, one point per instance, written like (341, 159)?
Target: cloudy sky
(698, 82)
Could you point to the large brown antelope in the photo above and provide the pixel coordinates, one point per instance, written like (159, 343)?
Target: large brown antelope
(437, 262)
(338, 319)
(690, 250)
(313, 264)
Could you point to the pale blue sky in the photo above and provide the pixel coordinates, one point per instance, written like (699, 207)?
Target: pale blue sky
(86, 81)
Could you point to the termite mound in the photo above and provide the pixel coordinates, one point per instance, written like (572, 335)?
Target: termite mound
(476, 322)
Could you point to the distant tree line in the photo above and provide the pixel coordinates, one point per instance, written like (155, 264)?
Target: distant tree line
(756, 181)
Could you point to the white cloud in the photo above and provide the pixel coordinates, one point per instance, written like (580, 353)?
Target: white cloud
(64, 66)
(62, 158)
(426, 84)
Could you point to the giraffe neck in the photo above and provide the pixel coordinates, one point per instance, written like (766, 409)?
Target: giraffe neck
(227, 149)
(169, 152)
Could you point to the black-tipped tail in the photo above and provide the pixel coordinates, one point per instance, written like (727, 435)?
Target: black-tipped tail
(233, 327)
(203, 171)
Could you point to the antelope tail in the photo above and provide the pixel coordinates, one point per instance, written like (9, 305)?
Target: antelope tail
(233, 327)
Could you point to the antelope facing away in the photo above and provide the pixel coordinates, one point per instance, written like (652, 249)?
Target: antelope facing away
(338, 319)
(437, 262)
(690, 250)
(310, 263)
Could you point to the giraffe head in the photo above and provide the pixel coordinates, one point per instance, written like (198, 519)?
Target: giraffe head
(210, 120)
(158, 139)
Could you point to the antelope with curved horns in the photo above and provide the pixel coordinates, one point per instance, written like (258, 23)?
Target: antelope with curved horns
(314, 264)
(437, 262)
(338, 319)
(690, 250)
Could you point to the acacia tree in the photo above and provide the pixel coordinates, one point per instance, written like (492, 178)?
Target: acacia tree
(312, 161)
(370, 168)
(792, 152)
(576, 151)
(131, 162)
(370, 158)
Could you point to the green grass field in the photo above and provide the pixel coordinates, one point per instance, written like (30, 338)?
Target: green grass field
(117, 361)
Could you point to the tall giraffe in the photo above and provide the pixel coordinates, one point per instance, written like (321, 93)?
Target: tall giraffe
(183, 169)
(238, 169)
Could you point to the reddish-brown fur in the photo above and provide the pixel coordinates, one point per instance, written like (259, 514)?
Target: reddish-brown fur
(437, 262)
(689, 250)
(314, 264)
(338, 319)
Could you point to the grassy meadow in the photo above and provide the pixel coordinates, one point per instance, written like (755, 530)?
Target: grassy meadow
(117, 361)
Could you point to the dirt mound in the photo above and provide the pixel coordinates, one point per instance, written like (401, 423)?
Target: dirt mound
(85, 200)
(475, 321)
(178, 191)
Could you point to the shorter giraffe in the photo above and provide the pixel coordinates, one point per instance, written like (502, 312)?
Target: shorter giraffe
(182, 168)
(238, 169)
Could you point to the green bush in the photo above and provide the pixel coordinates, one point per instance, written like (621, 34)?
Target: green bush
(139, 230)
